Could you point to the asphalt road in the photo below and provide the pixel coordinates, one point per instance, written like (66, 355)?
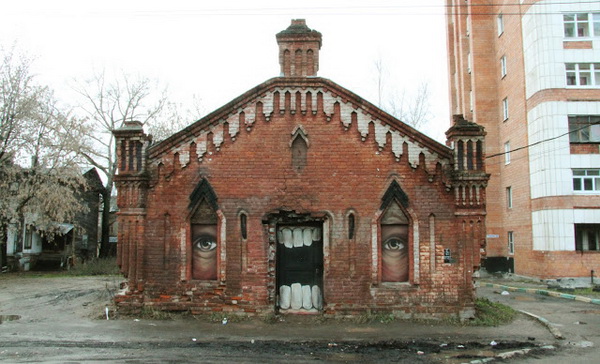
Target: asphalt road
(62, 320)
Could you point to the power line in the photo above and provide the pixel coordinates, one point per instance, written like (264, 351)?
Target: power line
(542, 141)
(376, 10)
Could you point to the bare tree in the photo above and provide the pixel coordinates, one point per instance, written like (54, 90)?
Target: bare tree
(175, 117)
(106, 104)
(412, 108)
(39, 176)
(380, 76)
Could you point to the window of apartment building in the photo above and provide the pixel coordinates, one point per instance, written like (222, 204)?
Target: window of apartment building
(469, 63)
(503, 66)
(581, 25)
(586, 180)
(583, 74)
(500, 23)
(587, 237)
(584, 129)
(505, 109)
(471, 100)
(507, 153)
(509, 197)
(511, 242)
(468, 21)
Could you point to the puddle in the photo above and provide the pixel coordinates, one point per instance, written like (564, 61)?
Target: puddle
(6, 318)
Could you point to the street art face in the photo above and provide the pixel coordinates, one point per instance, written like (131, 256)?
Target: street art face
(204, 242)
(394, 253)
(300, 267)
(204, 252)
(394, 245)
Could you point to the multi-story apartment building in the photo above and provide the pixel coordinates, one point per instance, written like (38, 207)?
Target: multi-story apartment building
(529, 72)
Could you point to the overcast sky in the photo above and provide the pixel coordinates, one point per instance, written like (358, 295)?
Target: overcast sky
(217, 50)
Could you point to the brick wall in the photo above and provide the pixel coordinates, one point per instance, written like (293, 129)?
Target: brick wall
(354, 153)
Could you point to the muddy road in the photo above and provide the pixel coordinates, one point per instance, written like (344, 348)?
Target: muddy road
(63, 319)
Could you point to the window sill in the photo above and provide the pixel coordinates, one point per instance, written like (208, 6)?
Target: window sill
(578, 39)
(396, 285)
(583, 86)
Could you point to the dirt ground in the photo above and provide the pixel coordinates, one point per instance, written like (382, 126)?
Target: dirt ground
(63, 319)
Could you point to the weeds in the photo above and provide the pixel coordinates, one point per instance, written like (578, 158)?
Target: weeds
(150, 313)
(223, 317)
(488, 313)
(587, 292)
(95, 267)
(369, 317)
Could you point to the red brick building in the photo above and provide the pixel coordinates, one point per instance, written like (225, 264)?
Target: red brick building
(529, 73)
(299, 196)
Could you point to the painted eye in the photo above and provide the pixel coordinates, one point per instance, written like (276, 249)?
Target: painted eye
(205, 243)
(393, 244)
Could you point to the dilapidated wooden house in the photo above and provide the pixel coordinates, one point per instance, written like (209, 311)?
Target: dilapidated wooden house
(299, 196)
(61, 244)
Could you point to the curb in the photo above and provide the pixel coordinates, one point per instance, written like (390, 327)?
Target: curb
(510, 354)
(553, 330)
(544, 292)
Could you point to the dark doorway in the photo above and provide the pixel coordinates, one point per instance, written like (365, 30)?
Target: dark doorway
(300, 267)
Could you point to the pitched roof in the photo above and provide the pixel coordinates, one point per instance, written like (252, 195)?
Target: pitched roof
(266, 93)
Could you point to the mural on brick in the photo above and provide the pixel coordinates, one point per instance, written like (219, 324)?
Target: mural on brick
(299, 196)
(394, 245)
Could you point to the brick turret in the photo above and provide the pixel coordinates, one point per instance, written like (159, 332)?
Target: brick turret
(299, 50)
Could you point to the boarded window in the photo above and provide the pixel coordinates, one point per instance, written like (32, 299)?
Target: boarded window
(299, 153)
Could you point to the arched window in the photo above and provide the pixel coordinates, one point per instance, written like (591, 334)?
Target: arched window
(394, 245)
(394, 228)
(351, 226)
(244, 226)
(204, 240)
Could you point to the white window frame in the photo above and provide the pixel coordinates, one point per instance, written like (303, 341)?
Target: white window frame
(511, 242)
(468, 25)
(575, 73)
(505, 109)
(583, 178)
(509, 197)
(500, 24)
(591, 25)
(507, 152)
(503, 66)
(584, 128)
(469, 63)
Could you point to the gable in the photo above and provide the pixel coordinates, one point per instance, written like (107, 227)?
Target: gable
(285, 95)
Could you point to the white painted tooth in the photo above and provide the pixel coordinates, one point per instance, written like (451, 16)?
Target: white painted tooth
(285, 295)
(316, 234)
(296, 301)
(287, 238)
(317, 299)
(298, 239)
(306, 297)
(280, 236)
(307, 236)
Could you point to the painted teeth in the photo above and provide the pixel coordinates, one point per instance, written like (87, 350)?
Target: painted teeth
(299, 296)
(299, 237)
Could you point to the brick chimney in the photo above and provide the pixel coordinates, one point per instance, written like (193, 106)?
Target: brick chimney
(299, 50)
